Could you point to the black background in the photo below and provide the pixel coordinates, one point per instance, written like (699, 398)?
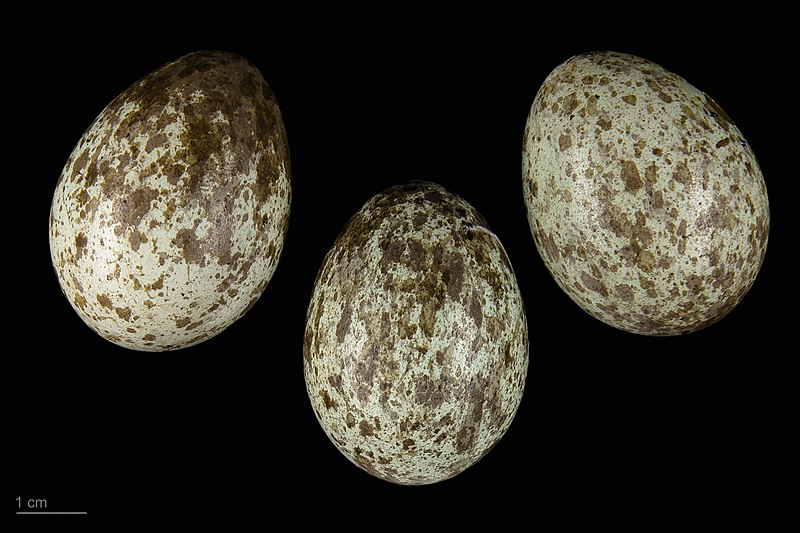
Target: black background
(610, 424)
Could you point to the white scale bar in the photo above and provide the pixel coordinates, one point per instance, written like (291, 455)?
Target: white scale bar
(51, 512)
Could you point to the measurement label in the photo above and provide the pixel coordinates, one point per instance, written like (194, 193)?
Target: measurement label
(32, 503)
(34, 506)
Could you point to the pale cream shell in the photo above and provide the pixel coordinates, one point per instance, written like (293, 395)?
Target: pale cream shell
(416, 346)
(170, 215)
(645, 201)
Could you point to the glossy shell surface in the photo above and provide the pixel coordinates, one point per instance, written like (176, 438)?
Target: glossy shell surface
(416, 345)
(170, 215)
(645, 201)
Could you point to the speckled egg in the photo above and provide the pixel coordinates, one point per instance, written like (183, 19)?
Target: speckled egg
(416, 344)
(169, 218)
(645, 201)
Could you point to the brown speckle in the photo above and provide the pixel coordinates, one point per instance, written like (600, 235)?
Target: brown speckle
(105, 301)
(327, 401)
(656, 184)
(570, 103)
(414, 304)
(170, 161)
(80, 245)
(682, 174)
(366, 429)
(630, 175)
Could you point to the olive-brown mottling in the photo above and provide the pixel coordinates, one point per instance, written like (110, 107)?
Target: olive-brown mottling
(179, 191)
(665, 226)
(416, 344)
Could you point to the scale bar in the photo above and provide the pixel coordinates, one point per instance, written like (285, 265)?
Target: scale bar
(51, 512)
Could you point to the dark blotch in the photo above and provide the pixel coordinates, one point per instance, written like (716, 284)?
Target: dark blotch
(682, 174)
(190, 245)
(344, 322)
(476, 309)
(105, 301)
(80, 245)
(631, 177)
(366, 429)
(327, 400)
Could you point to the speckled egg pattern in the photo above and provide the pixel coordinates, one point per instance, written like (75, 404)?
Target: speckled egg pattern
(646, 203)
(170, 215)
(416, 345)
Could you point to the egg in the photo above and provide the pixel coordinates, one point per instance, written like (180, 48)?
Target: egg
(170, 215)
(416, 341)
(646, 203)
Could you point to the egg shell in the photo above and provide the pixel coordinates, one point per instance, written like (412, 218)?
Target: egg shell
(646, 203)
(170, 215)
(416, 344)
